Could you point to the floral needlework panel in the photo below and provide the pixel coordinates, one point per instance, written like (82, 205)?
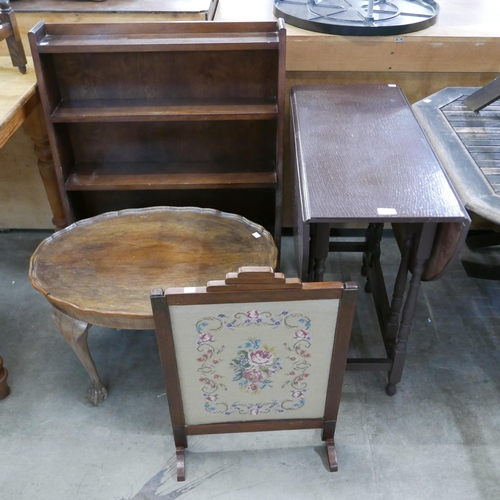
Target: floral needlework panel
(254, 361)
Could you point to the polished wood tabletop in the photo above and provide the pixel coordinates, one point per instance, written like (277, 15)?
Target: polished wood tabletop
(18, 97)
(362, 156)
(101, 270)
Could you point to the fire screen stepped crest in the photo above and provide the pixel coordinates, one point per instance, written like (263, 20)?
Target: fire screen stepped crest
(358, 17)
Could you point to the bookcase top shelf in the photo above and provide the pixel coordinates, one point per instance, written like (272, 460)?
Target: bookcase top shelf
(151, 37)
(152, 43)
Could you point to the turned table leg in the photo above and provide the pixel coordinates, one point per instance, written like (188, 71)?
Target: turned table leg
(4, 388)
(75, 332)
(320, 235)
(399, 350)
(35, 128)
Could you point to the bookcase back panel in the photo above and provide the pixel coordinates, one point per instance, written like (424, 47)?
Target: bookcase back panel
(254, 204)
(174, 142)
(167, 75)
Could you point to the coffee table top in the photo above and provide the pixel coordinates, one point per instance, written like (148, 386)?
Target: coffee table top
(101, 270)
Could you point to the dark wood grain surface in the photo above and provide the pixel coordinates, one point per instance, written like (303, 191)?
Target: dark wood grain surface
(362, 156)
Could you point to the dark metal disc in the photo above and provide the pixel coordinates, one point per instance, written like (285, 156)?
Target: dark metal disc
(357, 17)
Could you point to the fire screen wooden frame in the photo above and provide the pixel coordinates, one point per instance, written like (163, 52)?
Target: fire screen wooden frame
(256, 352)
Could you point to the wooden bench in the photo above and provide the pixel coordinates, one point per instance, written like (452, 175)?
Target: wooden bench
(463, 125)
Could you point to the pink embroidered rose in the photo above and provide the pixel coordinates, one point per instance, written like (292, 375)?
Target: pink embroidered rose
(253, 375)
(301, 334)
(206, 337)
(260, 357)
(253, 387)
(211, 398)
(297, 394)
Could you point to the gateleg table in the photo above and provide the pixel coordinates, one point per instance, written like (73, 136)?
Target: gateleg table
(100, 271)
(360, 157)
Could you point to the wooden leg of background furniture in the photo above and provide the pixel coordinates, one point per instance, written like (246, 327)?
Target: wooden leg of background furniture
(320, 249)
(75, 332)
(399, 352)
(35, 128)
(332, 455)
(180, 458)
(4, 388)
(391, 333)
(12, 36)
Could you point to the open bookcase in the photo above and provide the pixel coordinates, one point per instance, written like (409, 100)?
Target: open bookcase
(177, 113)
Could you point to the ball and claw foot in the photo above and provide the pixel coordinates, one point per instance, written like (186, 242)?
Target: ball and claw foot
(96, 394)
(390, 389)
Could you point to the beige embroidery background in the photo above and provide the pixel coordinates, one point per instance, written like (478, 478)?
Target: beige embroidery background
(225, 341)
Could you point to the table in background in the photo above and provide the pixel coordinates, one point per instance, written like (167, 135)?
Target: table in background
(100, 271)
(360, 156)
(19, 105)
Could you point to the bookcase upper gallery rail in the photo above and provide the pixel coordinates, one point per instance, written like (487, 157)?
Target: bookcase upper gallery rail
(54, 38)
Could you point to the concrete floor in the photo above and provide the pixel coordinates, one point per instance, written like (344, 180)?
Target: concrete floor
(438, 438)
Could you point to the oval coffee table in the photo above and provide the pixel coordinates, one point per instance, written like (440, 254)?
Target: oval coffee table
(100, 271)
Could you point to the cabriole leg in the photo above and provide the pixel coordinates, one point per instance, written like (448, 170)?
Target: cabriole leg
(75, 332)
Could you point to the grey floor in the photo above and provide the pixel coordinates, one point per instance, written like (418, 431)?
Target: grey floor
(438, 438)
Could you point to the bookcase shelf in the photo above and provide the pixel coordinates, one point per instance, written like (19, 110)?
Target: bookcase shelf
(101, 110)
(106, 176)
(180, 113)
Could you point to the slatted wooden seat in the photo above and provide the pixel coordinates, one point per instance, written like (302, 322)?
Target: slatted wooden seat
(468, 144)
(463, 125)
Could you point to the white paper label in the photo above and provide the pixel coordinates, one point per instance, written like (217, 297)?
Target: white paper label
(189, 289)
(256, 235)
(386, 211)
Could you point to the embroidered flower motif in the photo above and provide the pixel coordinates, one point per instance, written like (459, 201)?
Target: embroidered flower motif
(205, 337)
(255, 410)
(254, 363)
(260, 357)
(253, 375)
(252, 387)
(302, 334)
